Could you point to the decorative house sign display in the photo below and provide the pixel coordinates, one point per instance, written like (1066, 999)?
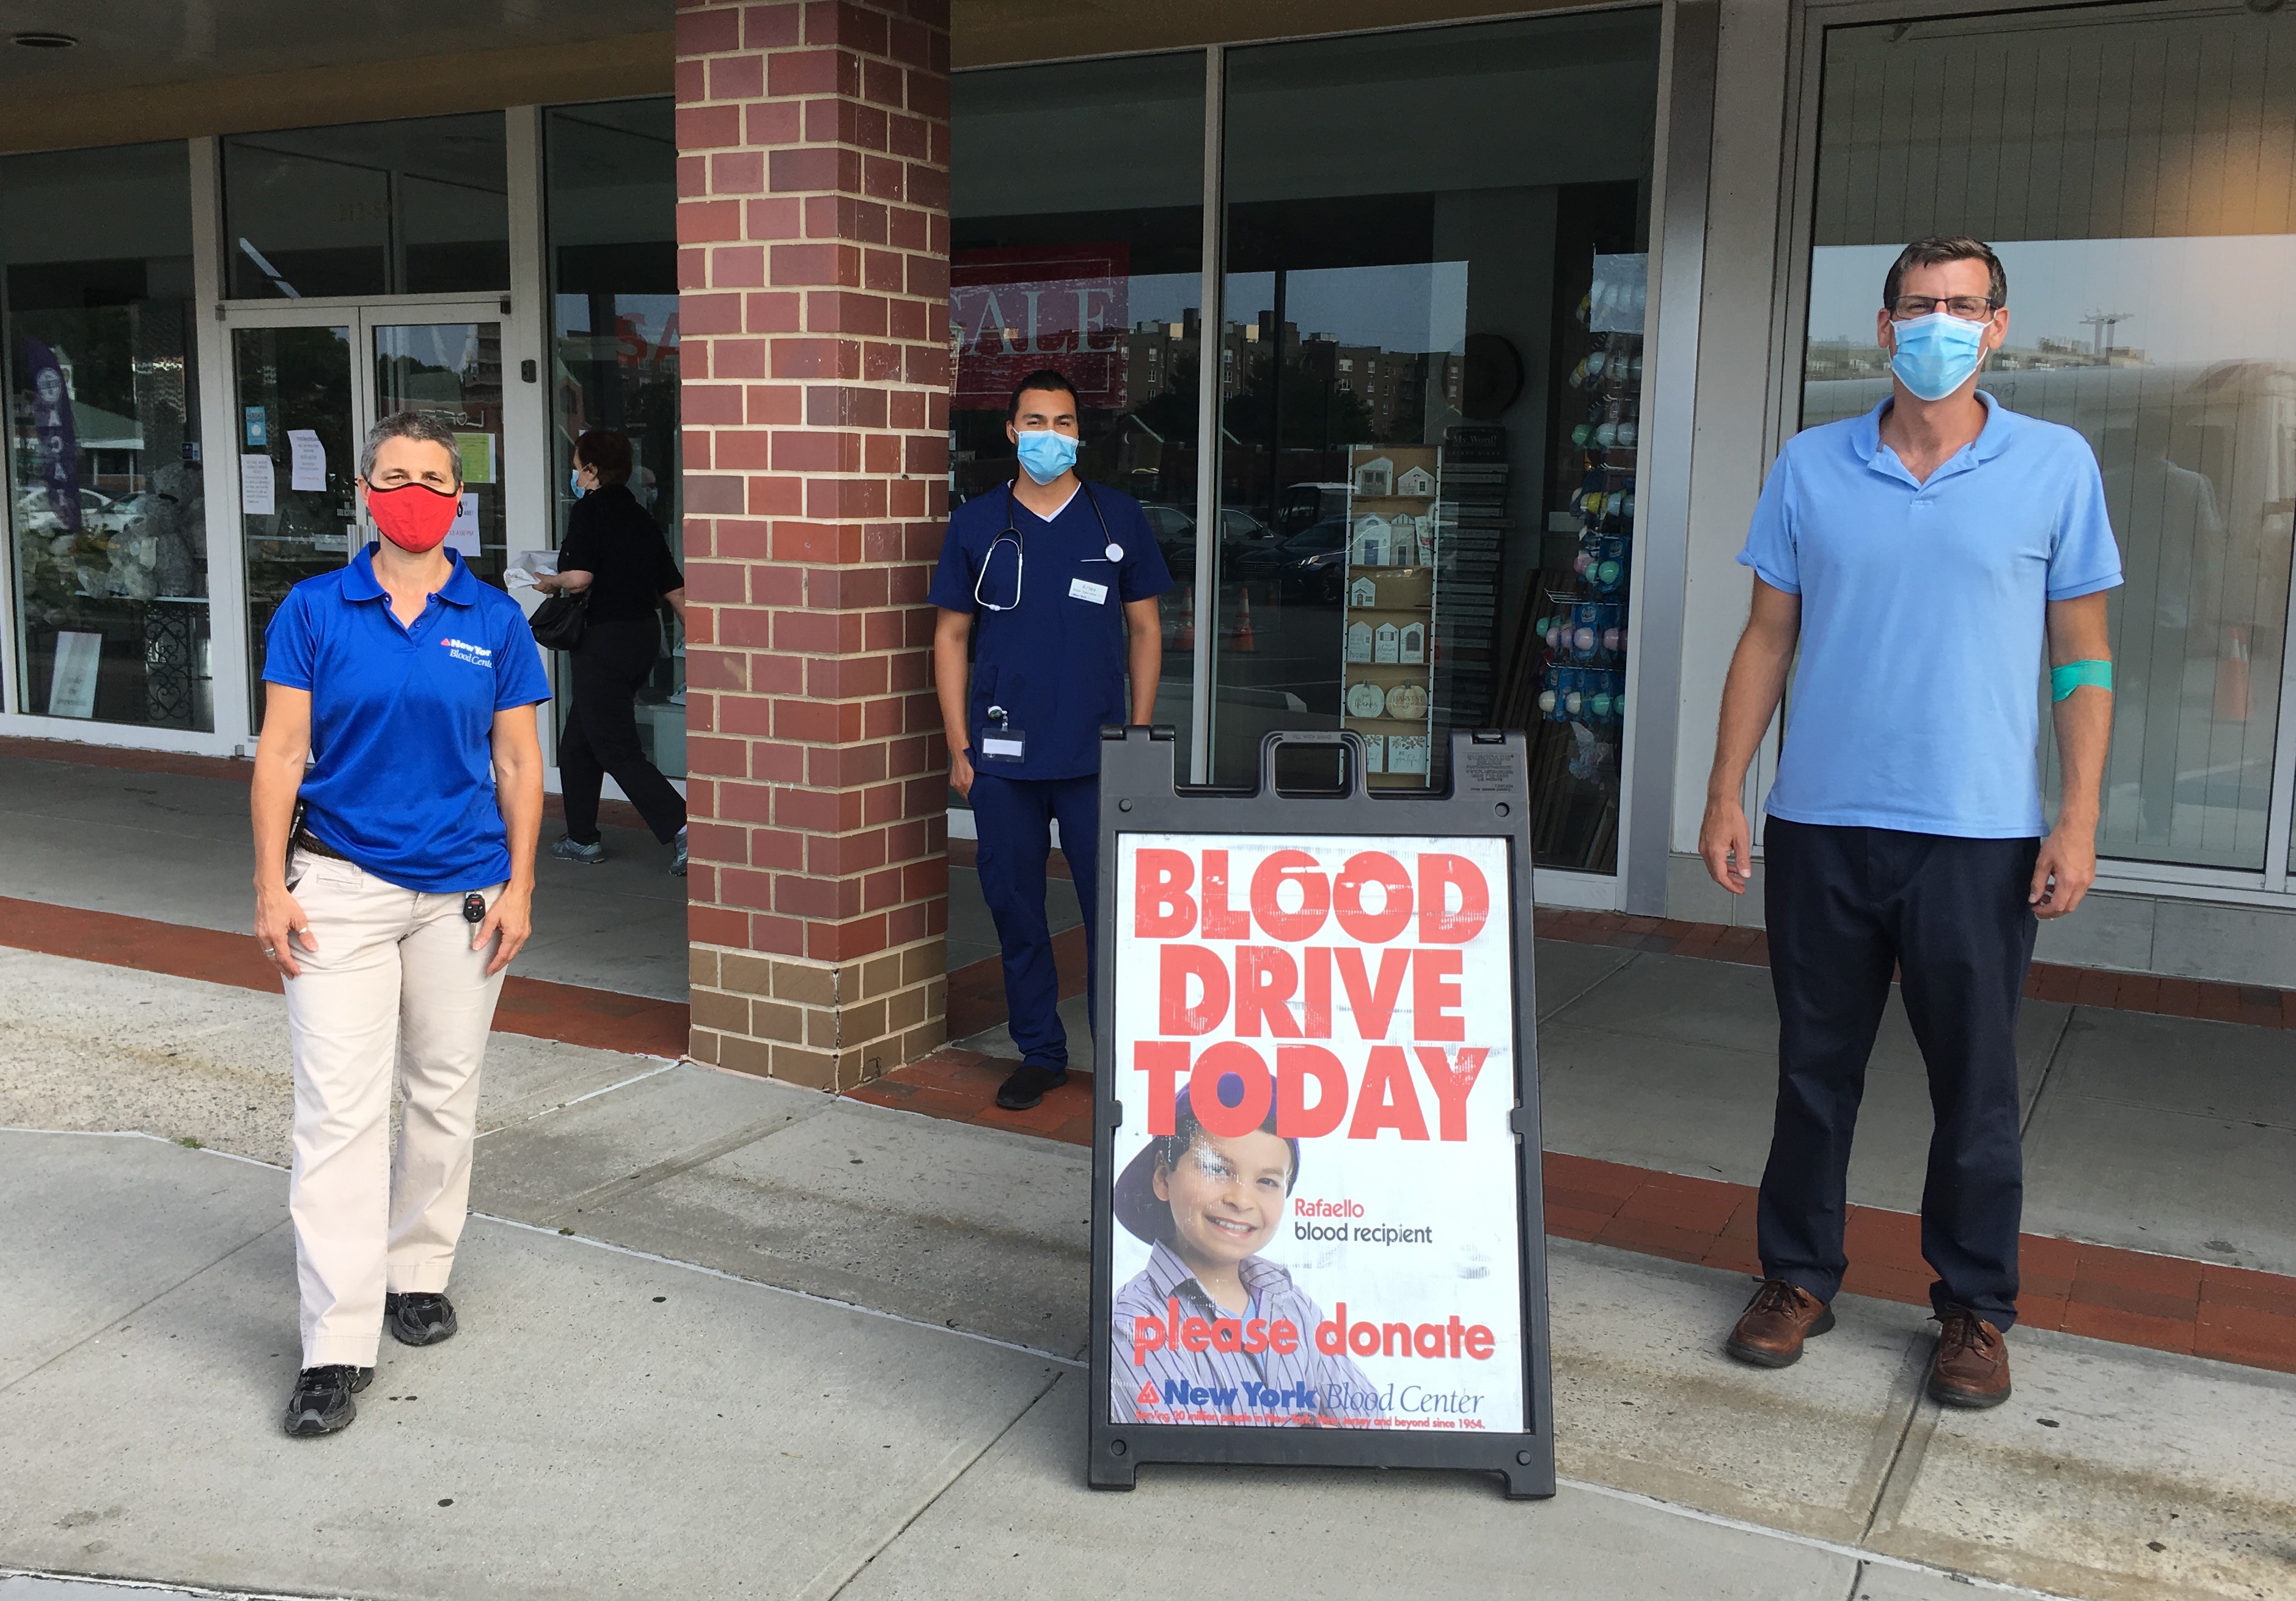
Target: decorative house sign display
(1393, 551)
(1371, 541)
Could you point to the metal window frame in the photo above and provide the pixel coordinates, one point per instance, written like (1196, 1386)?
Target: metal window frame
(1681, 180)
(2275, 885)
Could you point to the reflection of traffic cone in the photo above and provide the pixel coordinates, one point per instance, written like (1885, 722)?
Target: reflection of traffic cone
(1186, 639)
(1243, 641)
(2231, 697)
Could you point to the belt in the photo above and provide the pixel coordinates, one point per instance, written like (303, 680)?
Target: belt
(307, 842)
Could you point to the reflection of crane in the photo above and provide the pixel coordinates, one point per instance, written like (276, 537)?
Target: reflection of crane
(2104, 323)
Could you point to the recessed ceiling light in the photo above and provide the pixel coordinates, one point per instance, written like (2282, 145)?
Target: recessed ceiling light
(46, 41)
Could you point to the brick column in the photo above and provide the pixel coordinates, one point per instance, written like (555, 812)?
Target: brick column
(813, 275)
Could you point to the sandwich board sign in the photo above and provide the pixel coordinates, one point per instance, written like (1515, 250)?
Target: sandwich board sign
(1316, 1228)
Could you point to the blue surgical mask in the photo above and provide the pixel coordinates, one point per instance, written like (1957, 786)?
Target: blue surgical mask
(1045, 454)
(574, 482)
(1936, 353)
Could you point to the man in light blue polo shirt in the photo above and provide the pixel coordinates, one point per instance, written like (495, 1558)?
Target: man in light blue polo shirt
(1921, 557)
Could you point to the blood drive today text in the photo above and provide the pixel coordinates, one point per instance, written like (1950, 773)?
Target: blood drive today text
(1283, 990)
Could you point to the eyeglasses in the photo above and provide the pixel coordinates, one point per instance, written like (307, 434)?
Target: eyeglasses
(1969, 308)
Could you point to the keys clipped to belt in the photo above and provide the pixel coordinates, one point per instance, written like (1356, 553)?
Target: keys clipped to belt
(474, 908)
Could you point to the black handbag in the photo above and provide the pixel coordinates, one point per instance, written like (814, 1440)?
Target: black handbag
(558, 622)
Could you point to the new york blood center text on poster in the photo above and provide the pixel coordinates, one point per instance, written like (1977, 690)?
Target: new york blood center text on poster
(1317, 1185)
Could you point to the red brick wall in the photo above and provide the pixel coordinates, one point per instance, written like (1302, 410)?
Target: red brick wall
(813, 275)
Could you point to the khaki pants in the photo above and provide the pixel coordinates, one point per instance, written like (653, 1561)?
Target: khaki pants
(394, 985)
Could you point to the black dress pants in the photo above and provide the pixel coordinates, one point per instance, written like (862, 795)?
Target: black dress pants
(611, 665)
(1846, 906)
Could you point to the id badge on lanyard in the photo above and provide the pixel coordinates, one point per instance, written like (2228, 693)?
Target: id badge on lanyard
(1002, 743)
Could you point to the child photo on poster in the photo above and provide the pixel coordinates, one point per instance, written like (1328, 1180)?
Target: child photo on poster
(1209, 1325)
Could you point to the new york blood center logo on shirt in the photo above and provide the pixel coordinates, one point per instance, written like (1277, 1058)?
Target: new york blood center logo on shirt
(463, 650)
(1355, 995)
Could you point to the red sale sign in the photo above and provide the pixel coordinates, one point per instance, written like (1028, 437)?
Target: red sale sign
(1317, 1179)
(1012, 311)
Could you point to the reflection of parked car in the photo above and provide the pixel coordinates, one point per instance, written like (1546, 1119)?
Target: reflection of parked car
(36, 513)
(1311, 564)
(1241, 534)
(116, 516)
(1299, 505)
(1174, 533)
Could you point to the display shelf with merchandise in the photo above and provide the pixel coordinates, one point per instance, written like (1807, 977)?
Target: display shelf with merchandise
(1389, 645)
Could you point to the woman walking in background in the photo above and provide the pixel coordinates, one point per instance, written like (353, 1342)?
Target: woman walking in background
(615, 554)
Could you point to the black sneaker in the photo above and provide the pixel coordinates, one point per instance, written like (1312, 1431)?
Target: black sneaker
(419, 1317)
(322, 1403)
(1028, 1085)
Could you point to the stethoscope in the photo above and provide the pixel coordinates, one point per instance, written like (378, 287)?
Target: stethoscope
(1113, 552)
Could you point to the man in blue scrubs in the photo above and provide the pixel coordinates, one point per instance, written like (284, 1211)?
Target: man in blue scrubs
(1919, 556)
(1060, 578)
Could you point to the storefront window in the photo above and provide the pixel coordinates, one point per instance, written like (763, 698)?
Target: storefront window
(105, 508)
(2130, 165)
(416, 206)
(611, 194)
(1431, 360)
(1090, 262)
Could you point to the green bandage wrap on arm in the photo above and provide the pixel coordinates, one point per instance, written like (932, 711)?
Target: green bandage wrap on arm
(2063, 680)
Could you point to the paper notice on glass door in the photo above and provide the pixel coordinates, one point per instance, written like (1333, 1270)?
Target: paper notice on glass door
(257, 487)
(307, 460)
(478, 453)
(72, 683)
(462, 533)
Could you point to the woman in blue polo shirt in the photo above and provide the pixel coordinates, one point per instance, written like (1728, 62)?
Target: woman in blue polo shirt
(394, 882)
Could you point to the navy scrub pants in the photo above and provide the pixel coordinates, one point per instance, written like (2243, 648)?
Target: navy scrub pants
(1846, 906)
(1014, 818)
(610, 666)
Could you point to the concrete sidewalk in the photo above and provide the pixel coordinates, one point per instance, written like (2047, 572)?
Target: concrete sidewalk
(723, 1337)
(2156, 1134)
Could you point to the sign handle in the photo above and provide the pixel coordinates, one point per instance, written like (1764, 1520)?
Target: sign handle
(1348, 740)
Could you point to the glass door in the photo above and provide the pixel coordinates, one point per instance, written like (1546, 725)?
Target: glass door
(1431, 360)
(308, 387)
(295, 419)
(452, 372)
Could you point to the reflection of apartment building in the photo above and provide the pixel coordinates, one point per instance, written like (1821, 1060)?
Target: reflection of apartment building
(1853, 358)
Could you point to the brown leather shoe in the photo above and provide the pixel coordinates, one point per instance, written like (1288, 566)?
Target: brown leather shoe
(1972, 1366)
(1770, 1331)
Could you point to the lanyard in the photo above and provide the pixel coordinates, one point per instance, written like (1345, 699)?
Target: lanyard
(1020, 552)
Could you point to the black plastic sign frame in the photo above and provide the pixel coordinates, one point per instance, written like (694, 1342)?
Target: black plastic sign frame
(1487, 813)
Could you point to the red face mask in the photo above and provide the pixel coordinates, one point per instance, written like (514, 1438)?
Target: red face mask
(414, 517)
